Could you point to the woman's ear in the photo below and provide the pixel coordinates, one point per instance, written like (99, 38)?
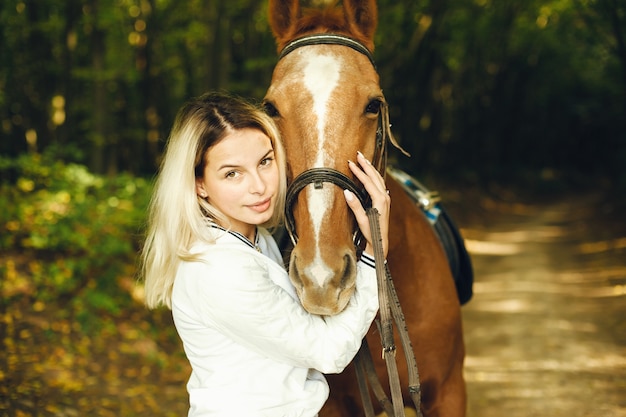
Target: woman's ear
(200, 188)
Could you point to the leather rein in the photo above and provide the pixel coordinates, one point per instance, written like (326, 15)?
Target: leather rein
(389, 310)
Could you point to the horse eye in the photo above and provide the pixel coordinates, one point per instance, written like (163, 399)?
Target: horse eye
(373, 107)
(270, 109)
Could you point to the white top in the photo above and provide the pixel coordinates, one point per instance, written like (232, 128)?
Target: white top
(253, 349)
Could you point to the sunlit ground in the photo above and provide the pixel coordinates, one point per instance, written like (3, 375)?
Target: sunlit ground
(546, 329)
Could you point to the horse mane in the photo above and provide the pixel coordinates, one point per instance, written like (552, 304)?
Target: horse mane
(325, 20)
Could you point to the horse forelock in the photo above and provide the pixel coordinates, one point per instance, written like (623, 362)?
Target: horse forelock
(326, 20)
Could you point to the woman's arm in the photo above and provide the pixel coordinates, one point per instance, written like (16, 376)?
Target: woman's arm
(241, 301)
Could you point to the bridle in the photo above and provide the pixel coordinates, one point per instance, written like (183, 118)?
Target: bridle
(319, 176)
(390, 309)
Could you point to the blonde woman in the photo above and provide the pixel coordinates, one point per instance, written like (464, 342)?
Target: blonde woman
(253, 349)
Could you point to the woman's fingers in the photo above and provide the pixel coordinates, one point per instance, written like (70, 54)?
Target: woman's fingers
(374, 184)
(361, 218)
(368, 174)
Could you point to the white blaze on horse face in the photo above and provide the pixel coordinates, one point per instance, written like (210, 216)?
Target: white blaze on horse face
(321, 77)
(318, 270)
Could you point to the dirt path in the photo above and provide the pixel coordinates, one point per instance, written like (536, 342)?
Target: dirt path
(546, 330)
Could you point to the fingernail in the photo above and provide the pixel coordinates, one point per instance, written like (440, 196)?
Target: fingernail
(363, 156)
(350, 162)
(349, 195)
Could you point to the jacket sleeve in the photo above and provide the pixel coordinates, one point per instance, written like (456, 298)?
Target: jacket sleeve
(241, 301)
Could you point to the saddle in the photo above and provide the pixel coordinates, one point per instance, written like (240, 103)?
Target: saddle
(448, 233)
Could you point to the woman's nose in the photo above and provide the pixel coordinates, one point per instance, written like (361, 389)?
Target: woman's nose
(257, 184)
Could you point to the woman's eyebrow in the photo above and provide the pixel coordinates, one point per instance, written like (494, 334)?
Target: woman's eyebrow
(266, 154)
(230, 166)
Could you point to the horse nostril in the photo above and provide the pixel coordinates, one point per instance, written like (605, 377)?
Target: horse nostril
(348, 271)
(294, 274)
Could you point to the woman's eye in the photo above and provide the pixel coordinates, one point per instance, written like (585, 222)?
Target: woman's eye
(231, 174)
(373, 107)
(266, 161)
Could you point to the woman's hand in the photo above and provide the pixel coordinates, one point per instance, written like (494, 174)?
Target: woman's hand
(375, 186)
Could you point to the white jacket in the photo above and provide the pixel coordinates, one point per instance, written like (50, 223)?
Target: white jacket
(253, 349)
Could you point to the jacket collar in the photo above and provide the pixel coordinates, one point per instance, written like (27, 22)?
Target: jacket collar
(239, 236)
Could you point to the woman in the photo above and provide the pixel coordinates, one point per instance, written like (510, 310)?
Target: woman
(253, 349)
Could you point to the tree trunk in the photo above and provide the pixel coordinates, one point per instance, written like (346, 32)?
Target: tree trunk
(99, 132)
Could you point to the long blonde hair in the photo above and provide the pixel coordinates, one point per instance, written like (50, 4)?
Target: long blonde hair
(177, 217)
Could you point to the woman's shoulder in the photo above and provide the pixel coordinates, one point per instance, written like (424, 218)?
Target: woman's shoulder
(224, 252)
(222, 265)
(230, 253)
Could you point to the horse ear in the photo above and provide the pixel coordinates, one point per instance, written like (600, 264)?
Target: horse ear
(362, 15)
(283, 15)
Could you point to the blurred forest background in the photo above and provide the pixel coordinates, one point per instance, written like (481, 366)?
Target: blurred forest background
(520, 94)
(479, 90)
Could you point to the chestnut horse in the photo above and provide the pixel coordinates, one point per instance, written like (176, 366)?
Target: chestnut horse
(326, 99)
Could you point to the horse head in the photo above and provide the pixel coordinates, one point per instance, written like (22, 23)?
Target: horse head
(326, 98)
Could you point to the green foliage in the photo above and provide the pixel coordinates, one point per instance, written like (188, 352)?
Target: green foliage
(73, 334)
(507, 90)
(483, 88)
(73, 235)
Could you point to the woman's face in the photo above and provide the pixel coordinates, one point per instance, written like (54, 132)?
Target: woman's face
(241, 179)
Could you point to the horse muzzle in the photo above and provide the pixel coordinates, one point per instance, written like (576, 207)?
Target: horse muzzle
(324, 284)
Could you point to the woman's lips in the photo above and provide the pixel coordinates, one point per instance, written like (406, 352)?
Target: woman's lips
(261, 206)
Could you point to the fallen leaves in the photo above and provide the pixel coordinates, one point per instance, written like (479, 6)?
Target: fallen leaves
(51, 367)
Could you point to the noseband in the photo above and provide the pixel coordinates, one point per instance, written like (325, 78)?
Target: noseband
(319, 176)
